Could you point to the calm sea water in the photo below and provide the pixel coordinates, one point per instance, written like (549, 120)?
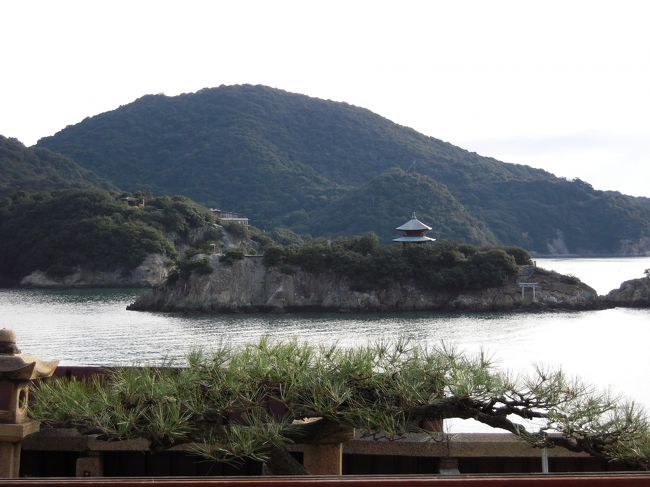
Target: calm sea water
(92, 327)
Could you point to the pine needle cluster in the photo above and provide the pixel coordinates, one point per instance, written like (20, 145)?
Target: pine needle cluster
(247, 403)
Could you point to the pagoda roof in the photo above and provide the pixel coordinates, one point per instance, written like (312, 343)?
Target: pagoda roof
(414, 239)
(413, 224)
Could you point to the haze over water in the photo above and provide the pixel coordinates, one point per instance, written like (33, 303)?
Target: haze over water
(93, 327)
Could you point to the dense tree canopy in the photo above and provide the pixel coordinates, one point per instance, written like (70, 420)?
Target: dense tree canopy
(314, 166)
(379, 206)
(445, 266)
(39, 169)
(59, 231)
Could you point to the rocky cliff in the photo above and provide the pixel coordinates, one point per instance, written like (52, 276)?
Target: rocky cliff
(248, 285)
(634, 293)
(152, 272)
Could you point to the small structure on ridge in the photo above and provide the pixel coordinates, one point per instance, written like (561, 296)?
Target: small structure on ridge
(414, 232)
(229, 216)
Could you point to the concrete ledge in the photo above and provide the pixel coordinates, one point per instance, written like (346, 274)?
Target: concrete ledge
(507, 445)
(56, 439)
(527, 480)
(136, 444)
(464, 445)
(460, 445)
(13, 433)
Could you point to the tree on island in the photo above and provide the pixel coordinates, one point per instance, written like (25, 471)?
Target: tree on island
(250, 403)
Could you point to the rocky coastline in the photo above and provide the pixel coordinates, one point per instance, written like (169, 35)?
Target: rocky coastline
(247, 285)
(634, 293)
(152, 272)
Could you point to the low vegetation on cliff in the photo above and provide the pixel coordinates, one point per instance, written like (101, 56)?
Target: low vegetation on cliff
(56, 232)
(370, 265)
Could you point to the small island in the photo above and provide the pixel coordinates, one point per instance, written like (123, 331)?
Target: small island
(359, 274)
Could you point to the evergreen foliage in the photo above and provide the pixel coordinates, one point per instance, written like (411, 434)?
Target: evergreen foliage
(39, 169)
(231, 256)
(242, 403)
(321, 167)
(60, 231)
(446, 266)
(185, 267)
(380, 205)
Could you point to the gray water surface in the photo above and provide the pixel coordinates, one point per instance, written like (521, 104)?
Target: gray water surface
(92, 327)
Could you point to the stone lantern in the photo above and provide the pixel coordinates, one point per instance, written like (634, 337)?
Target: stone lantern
(16, 372)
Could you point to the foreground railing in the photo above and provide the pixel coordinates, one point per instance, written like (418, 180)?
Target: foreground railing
(58, 453)
(583, 480)
(453, 454)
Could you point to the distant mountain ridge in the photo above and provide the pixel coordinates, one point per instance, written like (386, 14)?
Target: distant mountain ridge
(39, 169)
(324, 167)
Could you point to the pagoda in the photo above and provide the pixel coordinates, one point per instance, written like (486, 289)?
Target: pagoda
(414, 231)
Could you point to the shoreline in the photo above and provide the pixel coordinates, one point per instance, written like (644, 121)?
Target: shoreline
(254, 289)
(309, 310)
(594, 256)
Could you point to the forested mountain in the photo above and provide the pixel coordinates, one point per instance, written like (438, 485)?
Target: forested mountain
(384, 199)
(57, 232)
(329, 168)
(39, 169)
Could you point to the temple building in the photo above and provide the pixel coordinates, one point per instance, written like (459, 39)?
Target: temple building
(414, 232)
(229, 216)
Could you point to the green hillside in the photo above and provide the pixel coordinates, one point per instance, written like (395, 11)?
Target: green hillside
(39, 169)
(316, 166)
(93, 229)
(382, 200)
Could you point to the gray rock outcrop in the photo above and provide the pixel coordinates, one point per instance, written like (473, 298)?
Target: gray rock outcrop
(248, 285)
(634, 293)
(152, 272)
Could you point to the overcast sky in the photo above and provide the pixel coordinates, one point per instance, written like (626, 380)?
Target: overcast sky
(562, 85)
